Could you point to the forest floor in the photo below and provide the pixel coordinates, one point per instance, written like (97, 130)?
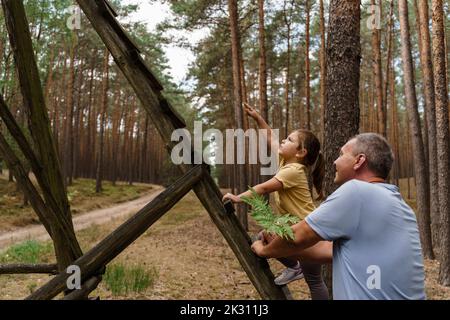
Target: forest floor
(188, 257)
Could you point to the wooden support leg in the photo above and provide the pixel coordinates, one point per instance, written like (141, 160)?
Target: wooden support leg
(257, 269)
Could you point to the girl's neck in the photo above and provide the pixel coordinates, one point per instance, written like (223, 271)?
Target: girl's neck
(289, 161)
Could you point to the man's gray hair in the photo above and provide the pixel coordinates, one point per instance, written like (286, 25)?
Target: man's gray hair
(377, 150)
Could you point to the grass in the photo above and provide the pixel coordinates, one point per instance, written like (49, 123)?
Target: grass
(81, 194)
(30, 251)
(121, 279)
(187, 209)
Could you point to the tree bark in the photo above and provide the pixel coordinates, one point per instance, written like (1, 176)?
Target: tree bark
(104, 102)
(323, 67)
(239, 116)
(422, 195)
(430, 111)
(68, 133)
(442, 130)
(307, 68)
(376, 52)
(342, 84)
(262, 64)
(287, 21)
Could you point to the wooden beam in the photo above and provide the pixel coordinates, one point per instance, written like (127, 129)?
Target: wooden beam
(28, 268)
(66, 247)
(166, 122)
(123, 236)
(257, 269)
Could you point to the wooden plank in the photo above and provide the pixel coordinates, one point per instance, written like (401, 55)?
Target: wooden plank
(110, 247)
(209, 194)
(17, 268)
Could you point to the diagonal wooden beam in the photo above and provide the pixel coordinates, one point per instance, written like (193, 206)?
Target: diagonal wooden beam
(166, 120)
(39, 125)
(110, 247)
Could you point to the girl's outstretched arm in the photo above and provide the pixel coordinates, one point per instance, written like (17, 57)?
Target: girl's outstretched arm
(262, 124)
(262, 188)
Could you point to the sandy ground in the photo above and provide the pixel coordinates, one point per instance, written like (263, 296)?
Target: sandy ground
(81, 221)
(190, 256)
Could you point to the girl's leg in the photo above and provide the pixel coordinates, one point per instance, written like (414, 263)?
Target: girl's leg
(313, 277)
(289, 263)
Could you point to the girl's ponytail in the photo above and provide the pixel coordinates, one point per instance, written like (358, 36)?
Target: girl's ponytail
(314, 160)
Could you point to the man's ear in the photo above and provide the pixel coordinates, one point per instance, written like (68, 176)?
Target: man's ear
(361, 160)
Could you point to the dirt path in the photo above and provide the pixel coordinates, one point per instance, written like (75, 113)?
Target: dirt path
(81, 221)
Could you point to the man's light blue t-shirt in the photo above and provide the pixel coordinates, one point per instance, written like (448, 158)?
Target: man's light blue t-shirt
(376, 245)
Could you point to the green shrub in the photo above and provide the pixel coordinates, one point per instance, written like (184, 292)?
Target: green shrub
(30, 251)
(121, 279)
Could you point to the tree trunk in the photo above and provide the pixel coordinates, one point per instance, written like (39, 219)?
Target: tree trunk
(237, 100)
(342, 84)
(323, 68)
(99, 167)
(422, 195)
(116, 137)
(443, 145)
(287, 20)
(307, 69)
(390, 44)
(68, 134)
(262, 64)
(378, 78)
(430, 111)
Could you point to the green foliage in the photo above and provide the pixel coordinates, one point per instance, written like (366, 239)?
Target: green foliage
(121, 279)
(30, 251)
(264, 216)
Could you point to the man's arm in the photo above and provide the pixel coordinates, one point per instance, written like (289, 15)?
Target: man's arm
(307, 245)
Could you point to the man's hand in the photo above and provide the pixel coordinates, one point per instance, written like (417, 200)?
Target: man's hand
(266, 237)
(258, 248)
(232, 197)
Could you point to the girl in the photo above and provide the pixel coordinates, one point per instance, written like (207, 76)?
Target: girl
(299, 158)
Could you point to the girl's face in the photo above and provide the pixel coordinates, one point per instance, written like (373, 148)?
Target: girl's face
(290, 148)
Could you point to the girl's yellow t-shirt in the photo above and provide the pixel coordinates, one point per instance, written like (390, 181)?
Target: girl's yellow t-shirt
(295, 197)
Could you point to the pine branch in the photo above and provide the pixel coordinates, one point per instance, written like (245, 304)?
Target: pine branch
(264, 216)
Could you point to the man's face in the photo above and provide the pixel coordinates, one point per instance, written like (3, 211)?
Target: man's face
(345, 164)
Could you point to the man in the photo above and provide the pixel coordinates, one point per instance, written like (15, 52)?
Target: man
(375, 248)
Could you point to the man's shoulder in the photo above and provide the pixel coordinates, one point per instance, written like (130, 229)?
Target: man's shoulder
(350, 186)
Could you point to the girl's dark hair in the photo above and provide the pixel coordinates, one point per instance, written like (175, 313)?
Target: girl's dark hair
(314, 158)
